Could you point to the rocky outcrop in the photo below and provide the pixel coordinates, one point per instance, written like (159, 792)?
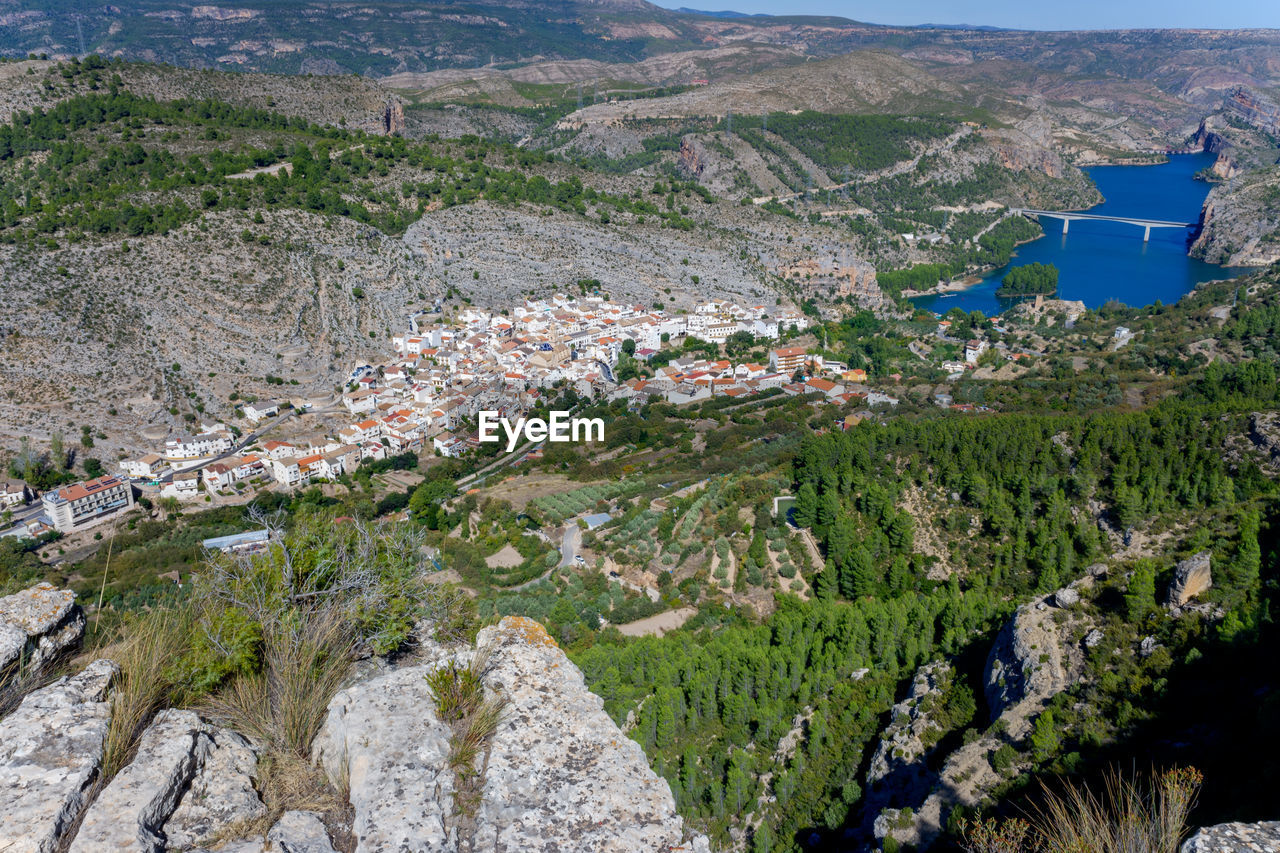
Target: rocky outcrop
(898, 773)
(1264, 432)
(299, 832)
(1019, 684)
(556, 774)
(37, 624)
(1030, 658)
(690, 159)
(1224, 168)
(1255, 109)
(1208, 138)
(393, 118)
(1235, 838)
(50, 751)
(382, 737)
(904, 739)
(221, 794)
(1191, 577)
(131, 811)
(561, 776)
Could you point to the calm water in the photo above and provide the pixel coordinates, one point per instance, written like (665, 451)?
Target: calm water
(1099, 261)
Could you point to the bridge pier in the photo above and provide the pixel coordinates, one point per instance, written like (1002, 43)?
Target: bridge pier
(1146, 235)
(1066, 223)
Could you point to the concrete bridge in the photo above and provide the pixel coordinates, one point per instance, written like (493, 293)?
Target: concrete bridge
(1068, 216)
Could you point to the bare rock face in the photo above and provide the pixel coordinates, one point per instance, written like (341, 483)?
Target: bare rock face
(1235, 838)
(561, 776)
(222, 792)
(1030, 658)
(384, 738)
(299, 832)
(898, 773)
(558, 775)
(130, 813)
(41, 622)
(50, 751)
(1191, 577)
(903, 740)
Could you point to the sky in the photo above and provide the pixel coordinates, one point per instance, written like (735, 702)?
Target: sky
(1020, 14)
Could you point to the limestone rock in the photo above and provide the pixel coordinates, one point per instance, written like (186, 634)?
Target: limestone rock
(1030, 658)
(383, 737)
(221, 795)
(902, 741)
(1148, 646)
(299, 832)
(130, 812)
(50, 750)
(1066, 597)
(12, 642)
(43, 619)
(561, 776)
(1097, 570)
(1191, 577)
(1261, 837)
(1092, 638)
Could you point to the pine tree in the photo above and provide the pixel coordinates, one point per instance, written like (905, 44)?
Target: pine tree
(1140, 597)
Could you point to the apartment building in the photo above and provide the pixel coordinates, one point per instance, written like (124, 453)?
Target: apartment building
(81, 505)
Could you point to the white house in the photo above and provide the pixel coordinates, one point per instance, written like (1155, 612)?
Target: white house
(261, 409)
(197, 447)
(14, 493)
(143, 468)
(184, 486)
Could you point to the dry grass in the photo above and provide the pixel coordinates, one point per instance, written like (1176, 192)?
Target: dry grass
(284, 703)
(461, 702)
(1125, 817)
(149, 647)
(17, 681)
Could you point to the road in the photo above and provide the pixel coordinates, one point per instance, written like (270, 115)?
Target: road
(568, 550)
(569, 544)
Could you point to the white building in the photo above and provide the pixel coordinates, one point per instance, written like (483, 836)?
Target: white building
(261, 409)
(143, 468)
(80, 505)
(14, 493)
(197, 447)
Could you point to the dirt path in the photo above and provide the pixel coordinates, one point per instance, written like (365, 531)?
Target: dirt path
(658, 624)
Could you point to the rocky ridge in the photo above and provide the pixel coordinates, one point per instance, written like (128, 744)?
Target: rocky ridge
(557, 775)
(38, 624)
(1034, 657)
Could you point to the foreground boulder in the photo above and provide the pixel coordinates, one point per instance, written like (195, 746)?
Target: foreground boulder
(383, 738)
(1235, 838)
(561, 776)
(221, 794)
(50, 752)
(130, 813)
(37, 624)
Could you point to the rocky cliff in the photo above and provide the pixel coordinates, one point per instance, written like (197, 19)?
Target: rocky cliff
(558, 774)
(1034, 658)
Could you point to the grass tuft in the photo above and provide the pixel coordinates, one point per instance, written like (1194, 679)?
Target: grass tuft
(1124, 817)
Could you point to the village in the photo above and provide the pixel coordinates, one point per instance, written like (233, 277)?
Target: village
(443, 372)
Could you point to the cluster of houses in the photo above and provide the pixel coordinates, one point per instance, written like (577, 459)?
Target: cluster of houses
(444, 374)
(791, 369)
